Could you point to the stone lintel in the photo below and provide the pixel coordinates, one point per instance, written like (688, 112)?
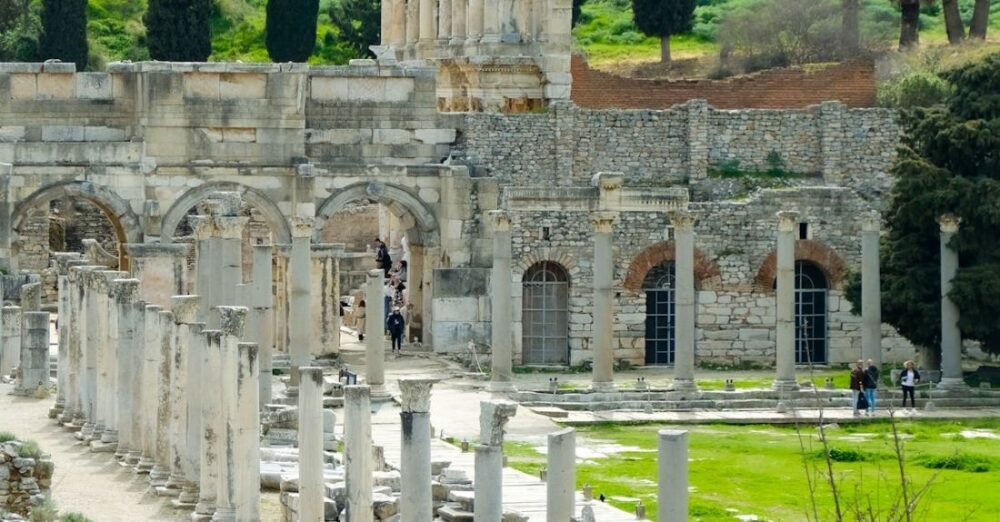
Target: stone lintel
(682, 220)
(232, 319)
(125, 291)
(493, 417)
(325, 250)
(185, 308)
(147, 250)
(416, 394)
(949, 223)
(787, 220)
(153, 309)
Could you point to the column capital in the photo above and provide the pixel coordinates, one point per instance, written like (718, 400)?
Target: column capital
(109, 277)
(501, 220)
(603, 221)
(232, 319)
(153, 309)
(301, 226)
(493, 417)
(608, 180)
(682, 220)
(787, 220)
(376, 273)
(949, 223)
(871, 222)
(201, 227)
(185, 308)
(125, 291)
(416, 394)
(230, 227)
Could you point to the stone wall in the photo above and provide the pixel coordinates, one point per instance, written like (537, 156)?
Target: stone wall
(24, 481)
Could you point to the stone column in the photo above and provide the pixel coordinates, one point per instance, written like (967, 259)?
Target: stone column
(444, 20)
(11, 356)
(385, 22)
(262, 321)
(602, 348)
(502, 349)
(137, 387)
(951, 336)
(673, 476)
(34, 371)
(325, 299)
(427, 32)
(474, 21)
(149, 387)
(124, 293)
(397, 33)
(560, 484)
(92, 344)
(281, 298)
(31, 297)
(491, 21)
(161, 268)
(416, 502)
(684, 299)
(375, 333)
(69, 322)
(247, 478)
(232, 320)
(183, 310)
(230, 256)
(871, 293)
(211, 425)
(785, 307)
(299, 314)
(162, 426)
(109, 361)
(493, 417)
(203, 228)
(191, 346)
(311, 489)
(459, 13)
(412, 21)
(62, 316)
(358, 453)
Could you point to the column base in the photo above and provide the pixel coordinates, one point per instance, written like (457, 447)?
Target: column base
(501, 386)
(226, 514)
(121, 452)
(785, 385)
(684, 385)
(133, 458)
(603, 386)
(379, 393)
(109, 437)
(55, 411)
(188, 496)
(203, 510)
(952, 384)
(86, 431)
(158, 476)
(144, 465)
(97, 446)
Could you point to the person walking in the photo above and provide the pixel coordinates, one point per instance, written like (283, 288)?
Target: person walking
(909, 380)
(396, 326)
(857, 378)
(359, 318)
(870, 385)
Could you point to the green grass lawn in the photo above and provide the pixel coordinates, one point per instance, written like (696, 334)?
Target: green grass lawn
(760, 470)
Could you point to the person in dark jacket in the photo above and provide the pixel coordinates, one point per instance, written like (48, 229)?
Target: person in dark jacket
(909, 380)
(396, 326)
(870, 385)
(857, 378)
(382, 257)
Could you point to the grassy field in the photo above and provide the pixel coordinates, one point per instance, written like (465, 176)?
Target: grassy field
(760, 470)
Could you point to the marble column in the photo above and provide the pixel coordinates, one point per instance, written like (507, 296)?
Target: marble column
(412, 21)
(427, 32)
(951, 336)
(684, 299)
(178, 398)
(149, 388)
(203, 228)
(474, 21)
(230, 257)
(358, 453)
(11, 356)
(91, 351)
(673, 476)
(444, 20)
(601, 346)
(34, 372)
(397, 33)
(162, 427)
(191, 347)
(502, 308)
(325, 277)
(262, 318)
(281, 298)
(31, 297)
(63, 262)
(299, 314)
(109, 361)
(125, 293)
(311, 490)
(98, 292)
(137, 386)
(232, 321)
(560, 484)
(416, 502)
(491, 21)
(247, 463)
(459, 14)
(375, 333)
(161, 268)
(785, 306)
(871, 293)
(493, 417)
(70, 322)
(211, 425)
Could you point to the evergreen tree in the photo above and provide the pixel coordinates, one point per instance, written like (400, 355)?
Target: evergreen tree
(663, 18)
(577, 9)
(179, 30)
(64, 32)
(949, 164)
(290, 32)
(909, 20)
(359, 23)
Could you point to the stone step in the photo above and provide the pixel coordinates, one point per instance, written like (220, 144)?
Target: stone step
(551, 412)
(453, 512)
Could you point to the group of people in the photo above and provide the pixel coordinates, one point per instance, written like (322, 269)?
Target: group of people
(864, 383)
(394, 294)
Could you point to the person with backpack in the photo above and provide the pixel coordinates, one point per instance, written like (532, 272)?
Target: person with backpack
(870, 385)
(396, 326)
(857, 378)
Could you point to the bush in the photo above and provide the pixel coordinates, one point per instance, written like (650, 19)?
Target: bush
(919, 89)
(45, 512)
(6, 436)
(850, 455)
(74, 517)
(959, 461)
(29, 450)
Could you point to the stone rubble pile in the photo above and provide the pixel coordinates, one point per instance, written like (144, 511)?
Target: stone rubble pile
(24, 481)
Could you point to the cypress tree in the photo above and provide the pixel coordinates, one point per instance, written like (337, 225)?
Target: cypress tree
(663, 18)
(290, 32)
(64, 31)
(179, 30)
(359, 23)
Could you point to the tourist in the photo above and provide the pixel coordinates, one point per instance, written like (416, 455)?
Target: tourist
(388, 293)
(857, 376)
(909, 380)
(382, 257)
(396, 326)
(403, 269)
(359, 318)
(870, 385)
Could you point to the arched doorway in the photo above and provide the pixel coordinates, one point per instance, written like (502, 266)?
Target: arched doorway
(811, 289)
(660, 313)
(544, 318)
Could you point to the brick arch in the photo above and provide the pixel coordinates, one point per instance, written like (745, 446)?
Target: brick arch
(558, 255)
(706, 272)
(821, 254)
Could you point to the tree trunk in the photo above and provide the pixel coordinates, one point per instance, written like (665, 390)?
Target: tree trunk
(953, 21)
(980, 19)
(850, 37)
(908, 35)
(665, 49)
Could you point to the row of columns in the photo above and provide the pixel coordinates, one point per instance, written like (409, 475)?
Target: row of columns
(464, 22)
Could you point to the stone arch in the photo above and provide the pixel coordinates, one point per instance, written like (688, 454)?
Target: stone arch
(123, 220)
(256, 198)
(706, 272)
(398, 199)
(820, 254)
(557, 255)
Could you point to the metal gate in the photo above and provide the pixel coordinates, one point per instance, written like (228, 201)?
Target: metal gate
(660, 314)
(544, 315)
(810, 314)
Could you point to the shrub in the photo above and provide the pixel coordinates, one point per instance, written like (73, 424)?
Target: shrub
(849, 455)
(29, 450)
(6, 436)
(45, 512)
(960, 461)
(74, 517)
(919, 89)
